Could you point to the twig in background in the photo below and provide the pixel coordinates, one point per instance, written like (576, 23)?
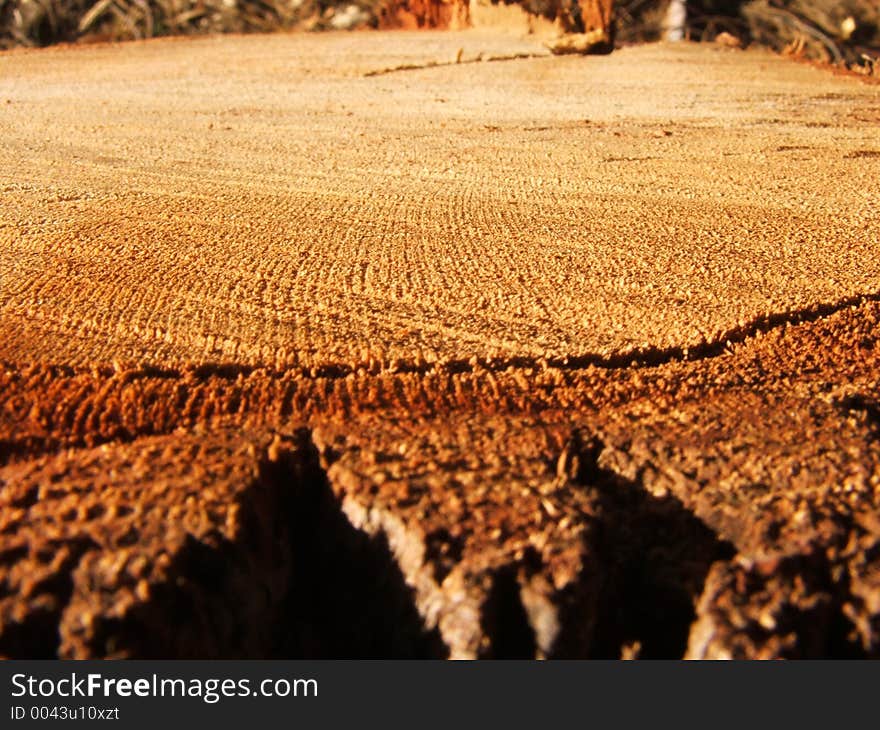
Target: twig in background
(808, 29)
(675, 22)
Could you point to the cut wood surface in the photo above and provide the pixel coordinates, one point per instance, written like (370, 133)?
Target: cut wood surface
(434, 344)
(262, 201)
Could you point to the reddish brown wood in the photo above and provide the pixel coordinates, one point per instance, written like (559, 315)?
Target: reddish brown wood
(596, 15)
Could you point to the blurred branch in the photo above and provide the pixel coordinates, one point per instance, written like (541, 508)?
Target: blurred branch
(675, 21)
(802, 26)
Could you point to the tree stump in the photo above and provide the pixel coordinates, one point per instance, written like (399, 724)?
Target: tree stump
(582, 25)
